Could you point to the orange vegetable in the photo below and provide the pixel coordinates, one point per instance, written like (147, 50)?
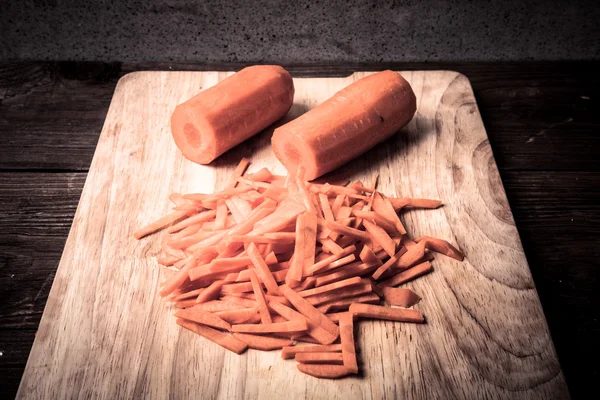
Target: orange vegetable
(289, 326)
(262, 342)
(238, 107)
(441, 246)
(399, 297)
(408, 275)
(160, 224)
(387, 313)
(309, 311)
(290, 352)
(238, 316)
(320, 334)
(347, 340)
(265, 317)
(324, 370)
(203, 317)
(211, 293)
(220, 338)
(319, 358)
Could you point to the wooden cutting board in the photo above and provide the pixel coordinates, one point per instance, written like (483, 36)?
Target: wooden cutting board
(105, 333)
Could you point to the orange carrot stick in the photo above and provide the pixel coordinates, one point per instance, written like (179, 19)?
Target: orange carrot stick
(350, 270)
(368, 257)
(264, 343)
(218, 305)
(318, 266)
(330, 287)
(187, 295)
(308, 310)
(263, 270)
(265, 317)
(159, 224)
(344, 304)
(340, 294)
(294, 275)
(324, 370)
(288, 353)
(399, 296)
(310, 238)
(389, 263)
(262, 175)
(408, 275)
(211, 293)
(237, 172)
(319, 358)
(194, 219)
(220, 338)
(331, 246)
(238, 316)
(399, 203)
(339, 263)
(344, 230)
(442, 247)
(347, 340)
(203, 317)
(239, 301)
(387, 313)
(297, 325)
(314, 329)
(177, 280)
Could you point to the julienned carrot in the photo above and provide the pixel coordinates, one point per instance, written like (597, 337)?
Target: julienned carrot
(314, 329)
(350, 270)
(344, 304)
(290, 352)
(238, 316)
(326, 207)
(324, 370)
(268, 297)
(210, 293)
(239, 301)
(265, 317)
(160, 224)
(331, 246)
(408, 275)
(307, 283)
(294, 275)
(297, 325)
(279, 276)
(380, 236)
(194, 219)
(347, 341)
(359, 289)
(218, 305)
(399, 203)
(339, 263)
(368, 257)
(319, 265)
(286, 212)
(389, 263)
(412, 256)
(262, 342)
(399, 296)
(220, 338)
(335, 316)
(263, 270)
(262, 175)
(387, 313)
(243, 207)
(310, 239)
(237, 172)
(319, 358)
(337, 204)
(187, 295)
(377, 219)
(441, 246)
(176, 280)
(344, 230)
(203, 317)
(385, 209)
(330, 287)
(309, 311)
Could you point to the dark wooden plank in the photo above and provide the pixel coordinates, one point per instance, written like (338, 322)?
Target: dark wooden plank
(538, 115)
(558, 216)
(9, 381)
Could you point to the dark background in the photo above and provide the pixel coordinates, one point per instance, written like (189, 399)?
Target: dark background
(285, 31)
(533, 66)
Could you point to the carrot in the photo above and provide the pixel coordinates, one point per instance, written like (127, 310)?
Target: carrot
(263, 270)
(239, 301)
(324, 370)
(380, 236)
(331, 246)
(237, 316)
(319, 265)
(368, 257)
(159, 224)
(294, 275)
(399, 203)
(335, 316)
(220, 338)
(347, 340)
(337, 204)
(265, 317)
(441, 246)
(340, 294)
(399, 297)
(286, 212)
(330, 287)
(339, 263)
(412, 255)
(408, 275)
(310, 238)
(268, 297)
(319, 358)
(387, 313)
(314, 329)
(309, 311)
(262, 175)
(288, 353)
(344, 304)
(389, 263)
(218, 305)
(187, 295)
(344, 230)
(307, 283)
(203, 317)
(264, 343)
(194, 219)
(377, 219)
(297, 325)
(350, 270)
(177, 280)
(211, 292)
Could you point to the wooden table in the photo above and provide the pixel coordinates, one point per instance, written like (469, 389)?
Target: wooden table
(542, 120)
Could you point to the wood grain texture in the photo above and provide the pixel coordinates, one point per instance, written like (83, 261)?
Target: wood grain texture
(105, 334)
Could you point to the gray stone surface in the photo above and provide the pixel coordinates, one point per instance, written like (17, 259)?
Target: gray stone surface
(286, 31)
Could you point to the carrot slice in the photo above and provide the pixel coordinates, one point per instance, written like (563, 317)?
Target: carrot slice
(309, 311)
(187, 295)
(159, 224)
(288, 353)
(387, 211)
(399, 203)
(387, 313)
(212, 292)
(310, 239)
(297, 325)
(177, 280)
(314, 329)
(344, 230)
(203, 317)
(318, 266)
(264, 343)
(408, 275)
(340, 294)
(330, 287)
(218, 305)
(347, 340)
(331, 246)
(237, 172)
(262, 175)
(326, 207)
(389, 263)
(238, 316)
(380, 236)
(194, 219)
(400, 297)
(239, 301)
(368, 257)
(324, 370)
(442, 247)
(350, 270)
(337, 204)
(412, 256)
(220, 338)
(265, 317)
(294, 275)
(344, 304)
(263, 270)
(319, 358)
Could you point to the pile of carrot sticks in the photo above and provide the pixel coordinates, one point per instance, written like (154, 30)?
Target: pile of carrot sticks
(274, 261)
